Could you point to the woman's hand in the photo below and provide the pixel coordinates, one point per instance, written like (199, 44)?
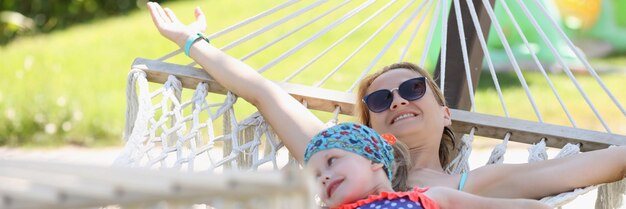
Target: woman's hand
(171, 28)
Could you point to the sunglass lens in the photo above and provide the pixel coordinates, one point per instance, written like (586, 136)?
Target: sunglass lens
(413, 89)
(379, 101)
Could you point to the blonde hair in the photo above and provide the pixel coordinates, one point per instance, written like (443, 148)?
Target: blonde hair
(401, 166)
(447, 144)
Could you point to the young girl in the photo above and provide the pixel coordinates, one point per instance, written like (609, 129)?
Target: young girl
(420, 120)
(354, 167)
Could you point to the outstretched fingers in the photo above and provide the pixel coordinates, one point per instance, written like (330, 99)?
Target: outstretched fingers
(170, 27)
(170, 14)
(159, 17)
(154, 14)
(165, 19)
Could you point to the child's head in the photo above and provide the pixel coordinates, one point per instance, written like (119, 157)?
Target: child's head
(351, 161)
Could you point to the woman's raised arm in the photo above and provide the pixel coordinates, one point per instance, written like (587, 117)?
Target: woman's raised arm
(549, 177)
(293, 122)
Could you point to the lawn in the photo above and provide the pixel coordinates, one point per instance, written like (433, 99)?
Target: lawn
(68, 87)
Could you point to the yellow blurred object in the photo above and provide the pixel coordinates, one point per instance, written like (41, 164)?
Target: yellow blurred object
(579, 14)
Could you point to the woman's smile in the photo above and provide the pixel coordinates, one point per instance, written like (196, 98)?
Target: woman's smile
(403, 116)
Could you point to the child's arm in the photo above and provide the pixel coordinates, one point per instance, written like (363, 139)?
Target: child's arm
(293, 122)
(448, 198)
(540, 179)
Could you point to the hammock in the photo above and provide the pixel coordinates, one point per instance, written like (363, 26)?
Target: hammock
(158, 128)
(169, 128)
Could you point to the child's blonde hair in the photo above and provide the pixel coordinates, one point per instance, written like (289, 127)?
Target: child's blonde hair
(401, 167)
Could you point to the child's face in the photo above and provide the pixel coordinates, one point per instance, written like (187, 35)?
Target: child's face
(344, 176)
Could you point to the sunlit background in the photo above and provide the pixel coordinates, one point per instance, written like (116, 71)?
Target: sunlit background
(64, 64)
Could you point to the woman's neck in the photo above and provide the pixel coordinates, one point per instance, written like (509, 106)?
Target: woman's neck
(424, 158)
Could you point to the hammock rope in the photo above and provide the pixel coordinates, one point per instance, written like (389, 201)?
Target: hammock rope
(568, 71)
(536, 59)
(297, 72)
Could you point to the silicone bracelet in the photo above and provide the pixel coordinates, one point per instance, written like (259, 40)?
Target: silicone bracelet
(192, 39)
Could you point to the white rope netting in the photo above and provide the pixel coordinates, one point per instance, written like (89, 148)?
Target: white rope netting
(168, 133)
(172, 133)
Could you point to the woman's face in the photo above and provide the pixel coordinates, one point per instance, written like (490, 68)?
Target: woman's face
(411, 121)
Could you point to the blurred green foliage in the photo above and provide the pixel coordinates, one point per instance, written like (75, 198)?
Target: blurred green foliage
(72, 90)
(620, 17)
(18, 17)
(68, 87)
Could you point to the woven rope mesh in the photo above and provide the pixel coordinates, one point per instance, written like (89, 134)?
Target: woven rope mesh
(201, 134)
(171, 133)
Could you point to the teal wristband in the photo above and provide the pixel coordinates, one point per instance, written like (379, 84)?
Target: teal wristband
(193, 39)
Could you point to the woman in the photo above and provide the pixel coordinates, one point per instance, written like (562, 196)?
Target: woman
(419, 121)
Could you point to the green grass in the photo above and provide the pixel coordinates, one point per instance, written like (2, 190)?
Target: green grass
(74, 77)
(69, 86)
(549, 108)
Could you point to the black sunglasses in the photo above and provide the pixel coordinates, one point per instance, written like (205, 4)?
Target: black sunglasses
(411, 90)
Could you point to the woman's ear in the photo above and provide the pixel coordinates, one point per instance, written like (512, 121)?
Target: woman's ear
(447, 116)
